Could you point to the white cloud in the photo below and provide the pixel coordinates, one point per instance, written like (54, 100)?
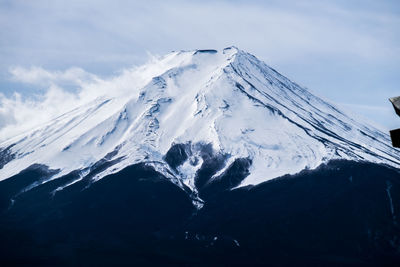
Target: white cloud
(41, 77)
(97, 31)
(19, 114)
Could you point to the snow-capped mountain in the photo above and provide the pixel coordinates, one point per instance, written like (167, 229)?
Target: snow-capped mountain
(228, 101)
(159, 170)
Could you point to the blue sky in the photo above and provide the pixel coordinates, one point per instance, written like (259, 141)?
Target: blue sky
(345, 51)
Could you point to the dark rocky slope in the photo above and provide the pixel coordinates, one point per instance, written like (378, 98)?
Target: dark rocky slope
(343, 213)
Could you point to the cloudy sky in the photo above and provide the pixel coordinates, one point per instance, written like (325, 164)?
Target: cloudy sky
(346, 51)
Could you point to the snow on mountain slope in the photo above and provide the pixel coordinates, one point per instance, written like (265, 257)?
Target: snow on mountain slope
(228, 99)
